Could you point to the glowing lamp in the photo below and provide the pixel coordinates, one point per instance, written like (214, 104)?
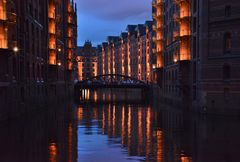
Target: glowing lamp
(15, 49)
(154, 66)
(59, 63)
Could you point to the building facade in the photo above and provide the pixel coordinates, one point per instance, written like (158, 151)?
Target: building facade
(87, 61)
(33, 47)
(216, 76)
(129, 54)
(196, 44)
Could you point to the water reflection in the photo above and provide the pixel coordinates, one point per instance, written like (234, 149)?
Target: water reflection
(118, 132)
(111, 95)
(49, 135)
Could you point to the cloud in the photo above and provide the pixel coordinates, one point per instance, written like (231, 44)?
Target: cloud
(98, 19)
(114, 9)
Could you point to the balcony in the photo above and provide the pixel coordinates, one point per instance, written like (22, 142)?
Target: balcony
(51, 28)
(3, 43)
(3, 14)
(51, 15)
(69, 65)
(52, 46)
(185, 14)
(185, 32)
(3, 36)
(52, 58)
(185, 50)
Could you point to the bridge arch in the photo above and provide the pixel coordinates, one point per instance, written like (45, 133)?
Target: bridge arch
(112, 81)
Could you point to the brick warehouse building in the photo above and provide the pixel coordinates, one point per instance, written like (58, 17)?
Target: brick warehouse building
(129, 54)
(37, 46)
(198, 51)
(87, 61)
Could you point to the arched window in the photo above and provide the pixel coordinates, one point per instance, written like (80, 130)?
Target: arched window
(226, 72)
(227, 43)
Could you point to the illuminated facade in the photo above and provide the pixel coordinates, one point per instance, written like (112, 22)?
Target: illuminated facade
(196, 49)
(33, 49)
(112, 54)
(129, 54)
(158, 19)
(87, 61)
(118, 56)
(132, 51)
(8, 48)
(150, 59)
(62, 37)
(104, 54)
(172, 38)
(124, 50)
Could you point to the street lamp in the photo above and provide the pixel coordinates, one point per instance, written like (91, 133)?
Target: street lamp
(15, 49)
(175, 60)
(59, 63)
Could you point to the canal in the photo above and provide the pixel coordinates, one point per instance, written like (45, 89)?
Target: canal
(118, 126)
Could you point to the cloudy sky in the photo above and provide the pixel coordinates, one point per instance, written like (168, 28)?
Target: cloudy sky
(98, 19)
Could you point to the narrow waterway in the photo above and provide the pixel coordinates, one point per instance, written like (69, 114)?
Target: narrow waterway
(118, 126)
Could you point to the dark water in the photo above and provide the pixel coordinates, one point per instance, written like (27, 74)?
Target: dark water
(124, 131)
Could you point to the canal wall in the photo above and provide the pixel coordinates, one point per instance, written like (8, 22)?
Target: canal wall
(14, 102)
(185, 104)
(159, 97)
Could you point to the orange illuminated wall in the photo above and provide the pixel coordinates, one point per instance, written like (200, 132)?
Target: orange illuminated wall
(94, 68)
(3, 11)
(80, 68)
(52, 152)
(148, 66)
(159, 137)
(103, 61)
(123, 56)
(129, 55)
(3, 27)
(139, 56)
(109, 60)
(69, 65)
(185, 30)
(70, 54)
(70, 44)
(186, 159)
(52, 32)
(113, 59)
(70, 32)
(158, 28)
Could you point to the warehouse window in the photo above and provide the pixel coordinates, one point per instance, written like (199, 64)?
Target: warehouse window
(227, 42)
